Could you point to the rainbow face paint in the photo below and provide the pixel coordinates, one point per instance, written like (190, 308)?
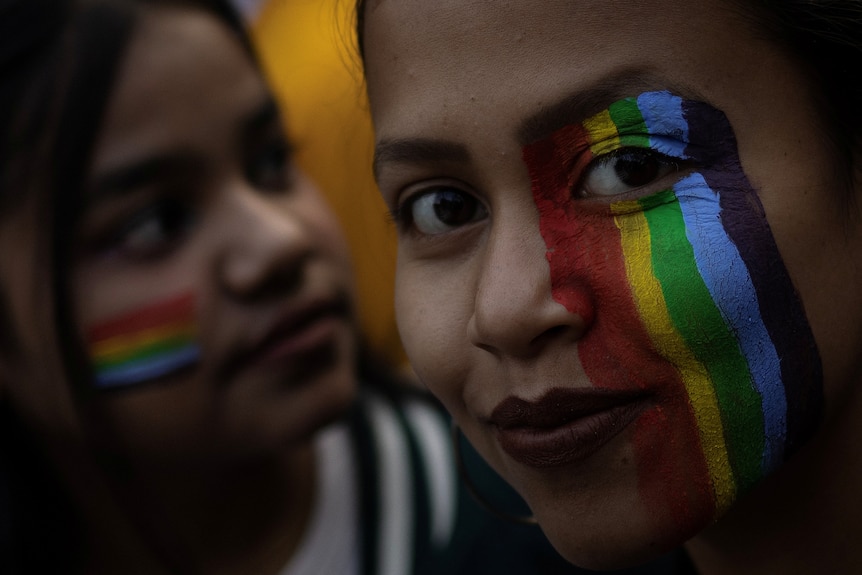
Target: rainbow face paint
(145, 344)
(688, 299)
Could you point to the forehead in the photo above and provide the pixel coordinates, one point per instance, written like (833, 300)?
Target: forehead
(437, 64)
(184, 75)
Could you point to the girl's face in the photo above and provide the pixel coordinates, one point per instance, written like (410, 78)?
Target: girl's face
(211, 282)
(625, 260)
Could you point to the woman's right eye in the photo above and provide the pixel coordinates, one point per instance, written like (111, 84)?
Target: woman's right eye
(153, 230)
(440, 210)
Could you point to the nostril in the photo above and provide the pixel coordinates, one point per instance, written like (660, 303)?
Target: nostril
(556, 331)
(278, 279)
(577, 299)
(572, 331)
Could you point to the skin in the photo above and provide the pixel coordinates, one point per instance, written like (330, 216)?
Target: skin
(474, 300)
(253, 240)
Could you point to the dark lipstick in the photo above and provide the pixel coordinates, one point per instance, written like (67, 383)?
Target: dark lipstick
(564, 426)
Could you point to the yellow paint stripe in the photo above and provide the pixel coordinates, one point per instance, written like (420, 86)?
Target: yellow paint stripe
(603, 133)
(120, 345)
(651, 304)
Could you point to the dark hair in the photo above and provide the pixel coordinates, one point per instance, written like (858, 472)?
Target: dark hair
(58, 64)
(825, 36)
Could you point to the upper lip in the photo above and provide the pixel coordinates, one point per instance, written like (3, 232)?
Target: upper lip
(559, 406)
(290, 320)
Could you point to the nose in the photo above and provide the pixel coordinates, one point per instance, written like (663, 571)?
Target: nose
(515, 312)
(266, 245)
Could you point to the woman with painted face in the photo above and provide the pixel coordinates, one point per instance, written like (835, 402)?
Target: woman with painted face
(628, 263)
(179, 359)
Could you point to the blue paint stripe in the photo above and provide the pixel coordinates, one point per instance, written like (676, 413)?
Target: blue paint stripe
(732, 289)
(148, 369)
(665, 122)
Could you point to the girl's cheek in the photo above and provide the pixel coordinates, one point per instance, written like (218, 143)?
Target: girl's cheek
(692, 301)
(146, 343)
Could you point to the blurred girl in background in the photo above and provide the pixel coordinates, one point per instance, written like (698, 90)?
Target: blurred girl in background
(180, 367)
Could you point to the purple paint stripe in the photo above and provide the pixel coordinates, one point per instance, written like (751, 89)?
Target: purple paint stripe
(713, 145)
(730, 285)
(148, 369)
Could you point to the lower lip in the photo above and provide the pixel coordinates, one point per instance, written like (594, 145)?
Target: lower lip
(570, 443)
(296, 346)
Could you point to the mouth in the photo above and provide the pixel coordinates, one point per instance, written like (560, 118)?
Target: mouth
(302, 341)
(565, 426)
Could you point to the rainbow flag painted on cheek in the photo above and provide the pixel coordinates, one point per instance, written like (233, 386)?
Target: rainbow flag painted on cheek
(691, 300)
(145, 344)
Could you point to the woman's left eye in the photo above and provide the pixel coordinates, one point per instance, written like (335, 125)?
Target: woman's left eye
(153, 230)
(626, 170)
(269, 167)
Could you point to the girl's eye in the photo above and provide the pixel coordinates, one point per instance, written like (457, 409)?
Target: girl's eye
(154, 230)
(440, 210)
(268, 167)
(625, 170)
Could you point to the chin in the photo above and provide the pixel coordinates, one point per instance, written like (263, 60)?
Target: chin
(607, 525)
(327, 401)
(615, 541)
(324, 397)
(339, 396)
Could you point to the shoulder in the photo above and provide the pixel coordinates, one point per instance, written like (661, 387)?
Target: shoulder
(405, 437)
(408, 495)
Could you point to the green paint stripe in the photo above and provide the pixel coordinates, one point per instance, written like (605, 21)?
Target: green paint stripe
(630, 123)
(144, 352)
(700, 323)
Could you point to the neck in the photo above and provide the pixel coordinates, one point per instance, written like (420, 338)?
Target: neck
(804, 518)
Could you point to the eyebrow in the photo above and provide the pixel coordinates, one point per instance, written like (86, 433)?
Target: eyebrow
(140, 174)
(571, 109)
(177, 164)
(417, 151)
(574, 108)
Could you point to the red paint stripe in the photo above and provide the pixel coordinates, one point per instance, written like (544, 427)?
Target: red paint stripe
(167, 311)
(588, 277)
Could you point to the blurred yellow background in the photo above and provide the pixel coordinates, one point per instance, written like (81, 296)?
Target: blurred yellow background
(308, 51)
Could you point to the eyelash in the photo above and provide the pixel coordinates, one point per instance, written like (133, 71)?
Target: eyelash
(664, 166)
(174, 217)
(404, 217)
(282, 151)
(652, 167)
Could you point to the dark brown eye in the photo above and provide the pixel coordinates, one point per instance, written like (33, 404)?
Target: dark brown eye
(635, 169)
(269, 166)
(442, 209)
(154, 230)
(625, 170)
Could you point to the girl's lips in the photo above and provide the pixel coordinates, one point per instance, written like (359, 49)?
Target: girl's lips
(299, 343)
(298, 339)
(565, 426)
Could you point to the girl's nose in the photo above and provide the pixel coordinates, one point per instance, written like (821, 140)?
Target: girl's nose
(267, 246)
(515, 313)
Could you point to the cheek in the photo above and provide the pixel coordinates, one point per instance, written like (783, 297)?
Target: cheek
(145, 343)
(694, 306)
(428, 316)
